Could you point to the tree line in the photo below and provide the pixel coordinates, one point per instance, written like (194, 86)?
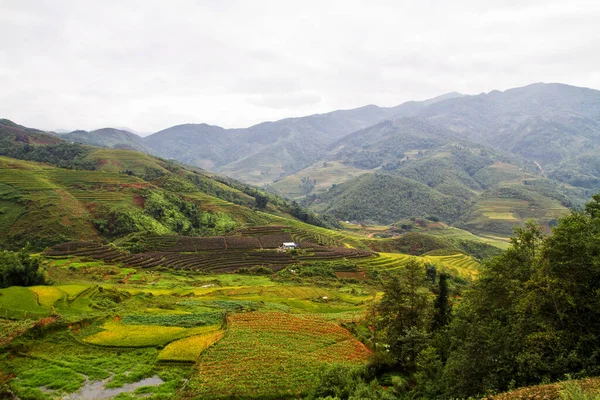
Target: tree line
(532, 316)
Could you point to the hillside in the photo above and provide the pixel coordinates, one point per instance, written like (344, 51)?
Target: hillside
(107, 137)
(468, 185)
(267, 151)
(52, 191)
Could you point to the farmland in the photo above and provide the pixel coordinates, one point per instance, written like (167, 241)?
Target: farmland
(272, 354)
(124, 325)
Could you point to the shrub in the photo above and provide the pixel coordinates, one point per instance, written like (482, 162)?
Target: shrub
(19, 269)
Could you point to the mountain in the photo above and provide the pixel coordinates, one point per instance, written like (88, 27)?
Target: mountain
(107, 137)
(530, 152)
(474, 188)
(11, 132)
(267, 151)
(547, 123)
(52, 191)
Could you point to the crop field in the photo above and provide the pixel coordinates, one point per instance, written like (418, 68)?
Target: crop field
(124, 326)
(189, 349)
(215, 254)
(116, 334)
(456, 264)
(272, 354)
(498, 212)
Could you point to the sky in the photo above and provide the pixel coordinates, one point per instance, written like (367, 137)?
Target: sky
(147, 65)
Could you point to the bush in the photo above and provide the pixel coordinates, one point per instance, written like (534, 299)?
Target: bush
(19, 269)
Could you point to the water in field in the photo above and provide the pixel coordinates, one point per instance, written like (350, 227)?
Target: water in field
(96, 390)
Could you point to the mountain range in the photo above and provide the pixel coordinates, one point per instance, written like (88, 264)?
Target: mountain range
(484, 162)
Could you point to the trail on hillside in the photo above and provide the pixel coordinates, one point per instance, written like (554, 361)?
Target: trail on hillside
(540, 167)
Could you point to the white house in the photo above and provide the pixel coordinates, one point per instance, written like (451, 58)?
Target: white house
(289, 245)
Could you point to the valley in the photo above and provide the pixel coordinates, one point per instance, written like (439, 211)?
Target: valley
(269, 262)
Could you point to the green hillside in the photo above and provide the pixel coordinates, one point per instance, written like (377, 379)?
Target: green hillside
(122, 192)
(385, 198)
(468, 185)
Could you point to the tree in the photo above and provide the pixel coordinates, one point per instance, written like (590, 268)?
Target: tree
(403, 315)
(261, 200)
(19, 269)
(441, 306)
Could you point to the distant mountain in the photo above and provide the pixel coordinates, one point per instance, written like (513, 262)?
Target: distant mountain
(267, 151)
(548, 123)
(107, 137)
(12, 132)
(468, 185)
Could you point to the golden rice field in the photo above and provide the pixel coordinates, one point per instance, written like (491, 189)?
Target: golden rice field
(116, 334)
(458, 264)
(189, 349)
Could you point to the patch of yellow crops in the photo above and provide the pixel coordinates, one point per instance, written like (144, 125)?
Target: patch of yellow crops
(122, 335)
(189, 349)
(47, 295)
(73, 291)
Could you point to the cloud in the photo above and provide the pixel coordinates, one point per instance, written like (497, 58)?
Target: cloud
(284, 101)
(148, 64)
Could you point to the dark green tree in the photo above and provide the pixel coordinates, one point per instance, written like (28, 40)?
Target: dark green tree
(441, 305)
(402, 317)
(261, 200)
(19, 269)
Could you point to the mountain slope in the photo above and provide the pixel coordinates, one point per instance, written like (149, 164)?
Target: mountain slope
(109, 193)
(471, 186)
(551, 124)
(267, 151)
(384, 198)
(107, 137)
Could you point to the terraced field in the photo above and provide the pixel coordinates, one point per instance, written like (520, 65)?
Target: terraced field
(456, 264)
(272, 354)
(215, 254)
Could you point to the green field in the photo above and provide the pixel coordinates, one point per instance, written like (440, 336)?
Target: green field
(171, 326)
(320, 175)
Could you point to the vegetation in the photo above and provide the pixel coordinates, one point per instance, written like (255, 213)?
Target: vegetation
(529, 318)
(19, 269)
(284, 358)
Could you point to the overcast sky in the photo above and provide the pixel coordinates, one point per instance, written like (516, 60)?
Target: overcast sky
(149, 64)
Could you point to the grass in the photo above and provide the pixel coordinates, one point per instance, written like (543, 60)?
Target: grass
(20, 301)
(583, 389)
(271, 354)
(59, 363)
(189, 349)
(74, 290)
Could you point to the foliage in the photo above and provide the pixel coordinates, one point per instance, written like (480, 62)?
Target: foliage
(347, 382)
(19, 269)
(63, 154)
(402, 317)
(384, 198)
(261, 200)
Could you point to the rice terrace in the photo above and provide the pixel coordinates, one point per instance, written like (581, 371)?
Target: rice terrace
(299, 200)
(231, 316)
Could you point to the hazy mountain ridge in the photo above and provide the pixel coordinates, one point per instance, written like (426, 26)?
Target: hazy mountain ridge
(107, 137)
